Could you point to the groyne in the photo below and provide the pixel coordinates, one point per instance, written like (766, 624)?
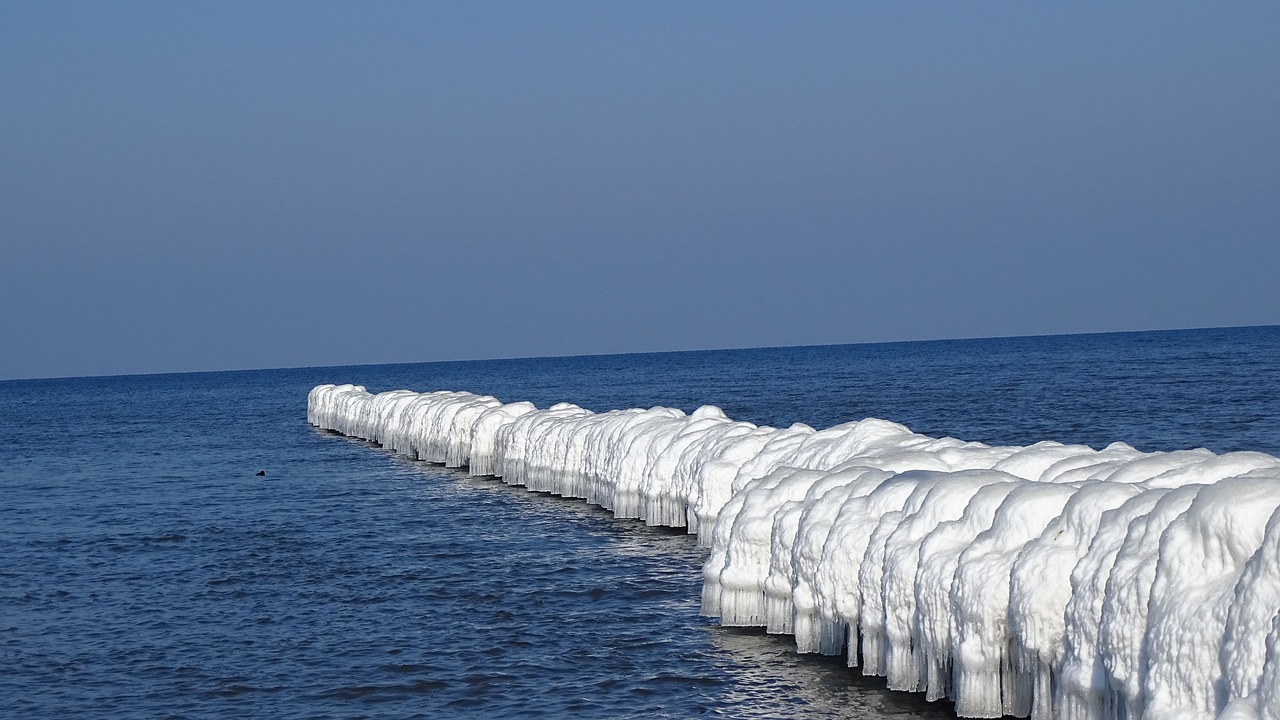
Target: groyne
(1043, 581)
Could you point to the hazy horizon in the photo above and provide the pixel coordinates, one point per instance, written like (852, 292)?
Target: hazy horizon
(638, 352)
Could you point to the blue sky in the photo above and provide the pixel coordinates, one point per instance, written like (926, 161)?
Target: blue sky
(199, 186)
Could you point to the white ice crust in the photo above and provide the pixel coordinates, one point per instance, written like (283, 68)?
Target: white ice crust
(1046, 581)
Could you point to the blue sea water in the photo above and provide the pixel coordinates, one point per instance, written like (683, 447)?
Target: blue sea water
(147, 571)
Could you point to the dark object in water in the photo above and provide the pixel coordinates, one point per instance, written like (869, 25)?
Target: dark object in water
(261, 473)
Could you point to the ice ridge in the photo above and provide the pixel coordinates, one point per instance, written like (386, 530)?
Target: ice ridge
(1046, 581)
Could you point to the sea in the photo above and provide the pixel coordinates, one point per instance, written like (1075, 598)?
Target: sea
(187, 546)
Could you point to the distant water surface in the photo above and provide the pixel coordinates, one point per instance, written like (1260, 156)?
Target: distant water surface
(145, 571)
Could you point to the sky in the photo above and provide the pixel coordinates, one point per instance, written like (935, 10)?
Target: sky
(223, 185)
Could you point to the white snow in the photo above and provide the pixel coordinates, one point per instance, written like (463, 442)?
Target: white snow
(1047, 581)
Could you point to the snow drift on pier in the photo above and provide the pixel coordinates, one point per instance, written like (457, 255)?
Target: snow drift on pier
(1047, 581)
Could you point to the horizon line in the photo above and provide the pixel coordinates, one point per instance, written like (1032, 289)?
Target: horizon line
(645, 352)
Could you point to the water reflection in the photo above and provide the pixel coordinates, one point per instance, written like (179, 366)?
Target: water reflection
(767, 678)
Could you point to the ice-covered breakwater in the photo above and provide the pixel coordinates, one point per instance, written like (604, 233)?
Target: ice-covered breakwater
(1050, 581)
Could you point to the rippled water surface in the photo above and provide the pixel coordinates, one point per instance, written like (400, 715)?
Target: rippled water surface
(147, 571)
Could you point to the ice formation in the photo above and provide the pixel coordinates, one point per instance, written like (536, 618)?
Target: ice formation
(1047, 581)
